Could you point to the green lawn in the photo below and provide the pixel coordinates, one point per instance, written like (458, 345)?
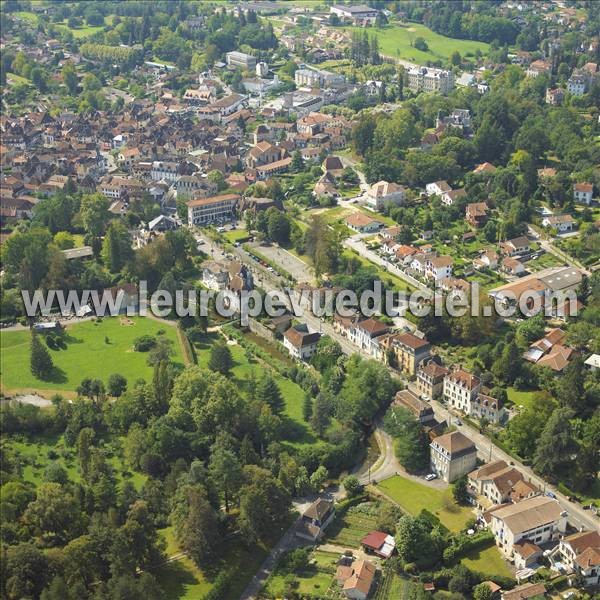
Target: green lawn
(237, 235)
(488, 561)
(87, 354)
(518, 397)
(348, 529)
(396, 40)
(414, 497)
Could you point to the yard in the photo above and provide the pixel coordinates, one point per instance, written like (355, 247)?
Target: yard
(518, 397)
(94, 348)
(396, 41)
(350, 528)
(488, 561)
(413, 497)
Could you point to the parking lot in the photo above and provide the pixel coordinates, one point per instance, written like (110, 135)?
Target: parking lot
(298, 269)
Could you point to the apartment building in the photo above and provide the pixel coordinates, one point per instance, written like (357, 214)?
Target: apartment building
(460, 388)
(409, 351)
(539, 519)
(430, 379)
(202, 211)
(452, 456)
(428, 79)
(241, 60)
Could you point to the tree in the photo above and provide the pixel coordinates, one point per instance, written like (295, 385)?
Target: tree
(410, 440)
(268, 391)
(84, 450)
(321, 416)
(40, 360)
(117, 384)
(482, 591)
(70, 78)
(507, 367)
(460, 491)
(421, 44)
(556, 447)
(195, 522)
(414, 541)
(351, 485)
(318, 478)
(220, 358)
(225, 472)
(307, 407)
(161, 352)
(297, 162)
(116, 248)
(94, 214)
(570, 390)
(25, 572)
(455, 59)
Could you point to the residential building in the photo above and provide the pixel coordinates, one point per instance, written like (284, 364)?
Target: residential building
(430, 379)
(484, 406)
(203, 211)
(476, 214)
(383, 192)
(421, 410)
(583, 192)
(581, 553)
(460, 389)
(221, 276)
(593, 362)
(562, 223)
(316, 78)
(378, 543)
(516, 246)
(538, 67)
(452, 456)
(487, 260)
(359, 14)
(555, 97)
(315, 519)
(300, 342)
(409, 351)
(356, 579)
(270, 169)
(428, 79)
(452, 196)
(241, 60)
(525, 591)
(362, 223)
(227, 105)
(512, 266)
(264, 153)
(437, 188)
(500, 483)
(577, 83)
(538, 519)
(363, 334)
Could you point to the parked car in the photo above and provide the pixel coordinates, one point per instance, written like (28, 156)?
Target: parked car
(551, 494)
(430, 477)
(457, 422)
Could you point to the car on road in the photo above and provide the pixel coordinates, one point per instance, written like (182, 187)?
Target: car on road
(200, 241)
(457, 422)
(236, 244)
(430, 477)
(551, 495)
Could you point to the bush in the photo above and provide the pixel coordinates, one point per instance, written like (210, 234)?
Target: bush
(351, 485)
(144, 343)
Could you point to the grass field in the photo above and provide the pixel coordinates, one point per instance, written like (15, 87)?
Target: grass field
(78, 32)
(347, 530)
(488, 561)
(39, 452)
(396, 40)
(518, 397)
(414, 497)
(87, 354)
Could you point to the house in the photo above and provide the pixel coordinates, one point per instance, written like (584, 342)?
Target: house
(527, 590)
(363, 333)
(485, 168)
(561, 223)
(279, 166)
(76, 253)
(163, 223)
(333, 165)
(326, 186)
(383, 192)
(437, 188)
(378, 543)
(452, 196)
(221, 276)
(582, 192)
(538, 67)
(526, 554)
(593, 362)
(263, 153)
(484, 406)
(512, 266)
(539, 519)
(518, 245)
(438, 267)
(315, 520)
(452, 456)
(409, 351)
(544, 345)
(555, 96)
(362, 223)
(460, 388)
(203, 211)
(421, 410)
(357, 579)
(300, 342)
(499, 482)
(557, 359)
(487, 260)
(581, 553)
(430, 379)
(577, 84)
(476, 214)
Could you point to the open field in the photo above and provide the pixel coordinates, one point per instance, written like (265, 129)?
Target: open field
(488, 561)
(348, 529)
(78, 32)
(93, 349)
(396, 40)
(413, 497)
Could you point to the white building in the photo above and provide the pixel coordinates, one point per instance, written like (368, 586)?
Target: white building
(382, 191)
(538, 520)
(300, 342)
(203, 211)
(428, 79)
(460, 388)
(166, 171)
(583, 192)
(241, 60)
(577, 84)
(452, 456)
(581, 553)
(360, 14)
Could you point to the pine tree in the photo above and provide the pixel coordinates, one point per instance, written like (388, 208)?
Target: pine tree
(307, 407)
(41, 361)
(268, 392)
(220, 359)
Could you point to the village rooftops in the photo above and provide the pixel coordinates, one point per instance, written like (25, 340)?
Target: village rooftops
(467, 380)
(455, 443)
(411, 341)
(529, 514)
(214, 200)
(527, 590)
